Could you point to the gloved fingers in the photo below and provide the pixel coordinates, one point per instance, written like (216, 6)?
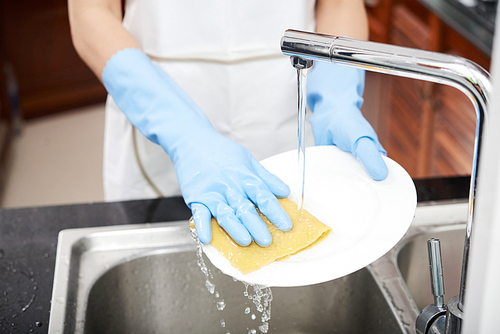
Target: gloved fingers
(247, 214)
(202, 221)
(366, 151)
(268, 205)
(275, 185)
(227, 219)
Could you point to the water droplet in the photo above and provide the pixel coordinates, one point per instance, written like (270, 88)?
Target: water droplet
(247, 310)
(253, 316)
(252, 331)
(266, 316)
(38, 324)
(264, 328)
(222, 323)
(221, 305)
(210, 286)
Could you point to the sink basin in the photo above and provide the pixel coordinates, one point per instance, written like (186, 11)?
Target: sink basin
(412, 261)
(159, 300)
(145, 279)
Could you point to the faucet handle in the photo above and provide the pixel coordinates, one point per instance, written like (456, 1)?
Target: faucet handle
(432, 318)
(436, 269)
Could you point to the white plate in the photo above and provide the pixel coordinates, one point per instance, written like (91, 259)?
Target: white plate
(367, 217)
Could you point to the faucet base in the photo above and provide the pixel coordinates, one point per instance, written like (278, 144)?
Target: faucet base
(454, 317)
(429, 317)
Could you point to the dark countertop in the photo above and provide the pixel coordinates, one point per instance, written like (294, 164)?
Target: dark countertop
(477, 29)
(28, 241)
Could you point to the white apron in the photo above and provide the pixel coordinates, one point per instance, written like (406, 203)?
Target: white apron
(226, 55)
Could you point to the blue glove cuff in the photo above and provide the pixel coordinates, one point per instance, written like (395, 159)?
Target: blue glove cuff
(345, 83)
(334, 95)
(152, 101)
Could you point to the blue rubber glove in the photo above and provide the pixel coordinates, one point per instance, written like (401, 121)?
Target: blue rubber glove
(334, 95)
(216, 175)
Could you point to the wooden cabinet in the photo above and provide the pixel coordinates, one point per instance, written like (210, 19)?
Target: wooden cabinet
(427, 128)
(35, 39)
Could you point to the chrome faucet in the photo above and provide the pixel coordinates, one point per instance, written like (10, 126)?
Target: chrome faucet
(450, 70)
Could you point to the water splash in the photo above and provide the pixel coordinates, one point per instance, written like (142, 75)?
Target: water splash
(264, 328)
(201, 263)
(261, 296)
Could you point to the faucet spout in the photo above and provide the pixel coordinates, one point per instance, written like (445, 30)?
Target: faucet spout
(454, 71)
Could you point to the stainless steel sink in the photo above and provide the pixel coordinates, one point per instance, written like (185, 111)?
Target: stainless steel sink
(146, 296)
(145, 279)
(404, 270)
(413, 263)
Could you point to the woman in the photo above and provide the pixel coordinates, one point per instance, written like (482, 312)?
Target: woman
(205, 82)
